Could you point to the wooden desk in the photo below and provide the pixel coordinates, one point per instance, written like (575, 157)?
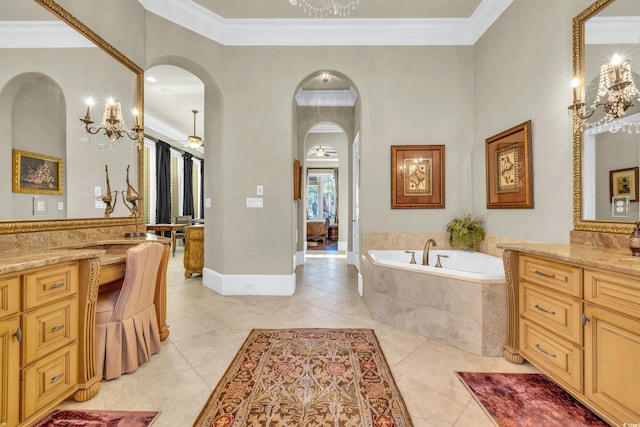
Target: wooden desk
(168, 227)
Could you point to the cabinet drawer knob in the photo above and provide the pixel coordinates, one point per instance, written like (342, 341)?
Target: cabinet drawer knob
(544, 310)
(542, 273)
(57, 285)
(57, 378)
(542, 350)
(585, 319)
(18, 334)
(57, 328)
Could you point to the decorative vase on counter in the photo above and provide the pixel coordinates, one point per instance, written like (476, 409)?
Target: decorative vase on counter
(634, 240)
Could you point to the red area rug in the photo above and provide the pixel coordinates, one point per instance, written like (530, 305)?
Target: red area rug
(307, 377)
(527, 400)
(74, 418)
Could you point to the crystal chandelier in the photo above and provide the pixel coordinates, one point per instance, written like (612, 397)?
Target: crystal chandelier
(326, 8)
(617, 87)
(112, 124)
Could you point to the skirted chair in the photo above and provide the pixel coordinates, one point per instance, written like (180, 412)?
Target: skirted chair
(127, 331)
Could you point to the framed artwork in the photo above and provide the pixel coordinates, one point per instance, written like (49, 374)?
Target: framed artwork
(624, 182)
(297, 180)
(36, 173)
(417, 176)
(508, 165)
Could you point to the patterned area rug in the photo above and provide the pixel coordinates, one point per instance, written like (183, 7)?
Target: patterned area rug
(73, 418)
(307, 377)
(527, 400)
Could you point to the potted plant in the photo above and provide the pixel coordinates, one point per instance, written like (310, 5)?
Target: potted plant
(466, 232)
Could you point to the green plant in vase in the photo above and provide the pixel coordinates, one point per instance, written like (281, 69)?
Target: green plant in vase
(466, 232)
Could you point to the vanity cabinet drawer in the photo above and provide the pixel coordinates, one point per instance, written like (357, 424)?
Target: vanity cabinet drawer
(49, 284)
(559, 276)
(111, 272)
(559, 313)
(49, 379)
(618, 292)
(49, 328)
(554, 355)
(9, 296)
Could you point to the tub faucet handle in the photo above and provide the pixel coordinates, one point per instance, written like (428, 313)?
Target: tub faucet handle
(413, 256)
(438, 264)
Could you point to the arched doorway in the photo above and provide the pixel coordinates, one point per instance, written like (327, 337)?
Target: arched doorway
(173, 98)
(326, 113)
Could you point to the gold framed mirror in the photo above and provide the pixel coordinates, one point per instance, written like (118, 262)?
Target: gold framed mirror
(592, 184)
(21, 225)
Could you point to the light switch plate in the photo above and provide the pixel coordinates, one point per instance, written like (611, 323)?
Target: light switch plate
(207, 203)
(254, 202)
(259, 190)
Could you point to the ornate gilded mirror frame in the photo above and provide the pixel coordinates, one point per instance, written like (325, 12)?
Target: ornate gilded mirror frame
(21, 226)
(578, 71)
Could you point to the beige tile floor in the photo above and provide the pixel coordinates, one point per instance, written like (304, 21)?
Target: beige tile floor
(207, 329)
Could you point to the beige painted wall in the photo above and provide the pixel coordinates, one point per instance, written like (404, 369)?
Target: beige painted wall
(457, 96)
(523, 72)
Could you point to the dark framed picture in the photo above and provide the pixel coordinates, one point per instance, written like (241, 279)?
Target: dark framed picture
(36, 173)
(417, 176)
(624, 182)
(297, 180)
(508, 165)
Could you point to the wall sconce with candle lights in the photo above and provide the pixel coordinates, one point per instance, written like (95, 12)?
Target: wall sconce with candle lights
(112, 124)
(616, 85)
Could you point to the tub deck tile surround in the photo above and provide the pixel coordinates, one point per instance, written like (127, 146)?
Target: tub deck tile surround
(471, 316)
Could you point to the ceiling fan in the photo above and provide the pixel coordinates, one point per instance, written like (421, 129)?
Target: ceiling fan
(319, 152)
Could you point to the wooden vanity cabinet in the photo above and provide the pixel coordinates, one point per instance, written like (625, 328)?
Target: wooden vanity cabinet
(38, 341)
(581, 327)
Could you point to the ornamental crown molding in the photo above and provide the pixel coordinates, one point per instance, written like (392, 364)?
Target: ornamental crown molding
(40, 34)
(329, 32)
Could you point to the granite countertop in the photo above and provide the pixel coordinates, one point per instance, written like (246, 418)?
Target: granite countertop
(18, 260)
(11, 262)
(590, 256)
(116, 241)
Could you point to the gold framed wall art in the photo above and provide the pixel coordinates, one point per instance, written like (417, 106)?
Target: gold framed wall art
(508, 167)
(36, 173)
(417, 177)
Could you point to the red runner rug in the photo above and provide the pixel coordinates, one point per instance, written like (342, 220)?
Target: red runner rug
(307, 377)
(527, 400)
(76, 418)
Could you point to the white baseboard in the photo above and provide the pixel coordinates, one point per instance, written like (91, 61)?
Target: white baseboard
(249, 284)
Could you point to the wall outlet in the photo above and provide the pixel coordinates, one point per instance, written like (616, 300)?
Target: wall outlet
(60, 206)
(97, 191)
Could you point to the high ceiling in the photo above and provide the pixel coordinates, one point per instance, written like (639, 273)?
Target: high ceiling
(176, 92)
(366, 9)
